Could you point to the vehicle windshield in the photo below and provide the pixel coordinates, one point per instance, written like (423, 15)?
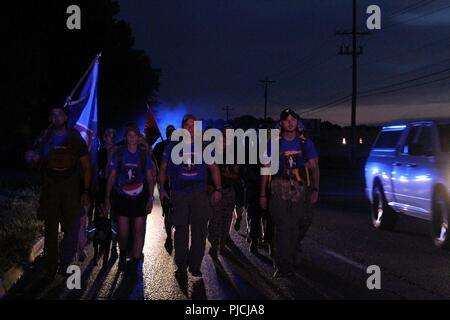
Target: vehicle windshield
(444, 137)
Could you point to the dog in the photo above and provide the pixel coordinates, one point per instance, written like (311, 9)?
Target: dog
(102, 240)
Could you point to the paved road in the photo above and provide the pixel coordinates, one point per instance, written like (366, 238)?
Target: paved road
(340, 246)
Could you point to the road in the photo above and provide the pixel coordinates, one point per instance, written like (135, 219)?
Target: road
(339, 247)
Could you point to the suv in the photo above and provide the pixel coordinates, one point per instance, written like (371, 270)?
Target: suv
(408, 172)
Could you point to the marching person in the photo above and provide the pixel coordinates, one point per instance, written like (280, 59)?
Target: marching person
(63, 157)
(220, 223)
(131, 178)
(292, 191)
(158, 152)
(191, 205)
(105, 153)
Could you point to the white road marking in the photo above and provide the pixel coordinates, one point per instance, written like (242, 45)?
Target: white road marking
(346, 260)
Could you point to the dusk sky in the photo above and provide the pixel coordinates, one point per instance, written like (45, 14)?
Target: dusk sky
(213, 54)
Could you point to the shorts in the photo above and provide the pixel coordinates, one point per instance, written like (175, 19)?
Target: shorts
(131, 207)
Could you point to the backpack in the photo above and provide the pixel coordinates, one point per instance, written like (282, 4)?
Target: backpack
(63, 159)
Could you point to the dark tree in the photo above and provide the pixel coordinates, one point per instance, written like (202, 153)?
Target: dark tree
(42, 61)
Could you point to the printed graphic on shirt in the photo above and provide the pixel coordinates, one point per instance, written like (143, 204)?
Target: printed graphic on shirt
(291, 158)
(131, 186)
(188, 167)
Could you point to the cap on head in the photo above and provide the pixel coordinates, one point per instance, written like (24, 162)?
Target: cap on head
(288, 112)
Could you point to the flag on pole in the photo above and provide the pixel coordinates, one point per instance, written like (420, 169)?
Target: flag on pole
(83, 112)
(151, 129)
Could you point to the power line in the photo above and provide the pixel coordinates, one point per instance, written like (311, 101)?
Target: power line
(416, 17)
(406, 81)
(372, 92)
(407, 87)
(409, 8)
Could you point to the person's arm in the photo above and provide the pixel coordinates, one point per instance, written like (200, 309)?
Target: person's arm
(109, 185)
(87, 178)
(151, 188)
(217, 181)
(162, 180)
(32, 158)
(313, 165)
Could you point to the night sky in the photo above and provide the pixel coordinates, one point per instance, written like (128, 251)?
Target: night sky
(213, 53)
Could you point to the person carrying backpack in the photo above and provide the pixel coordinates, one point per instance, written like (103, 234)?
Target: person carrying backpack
(131, 181)
(293, 191)
(62, 156)
(191, 203)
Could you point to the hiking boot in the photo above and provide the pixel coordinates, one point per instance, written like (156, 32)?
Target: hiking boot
(133, 266)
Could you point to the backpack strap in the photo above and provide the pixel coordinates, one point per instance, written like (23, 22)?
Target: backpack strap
(303, 140)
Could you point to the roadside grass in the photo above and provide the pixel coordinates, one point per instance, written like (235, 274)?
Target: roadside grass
(19, 227)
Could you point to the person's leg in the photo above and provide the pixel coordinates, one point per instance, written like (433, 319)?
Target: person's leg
(240, 204)
(71, 215)
(168, 226)
(214, 229)
(228, 204)
(305, 220)
(255, 224)
(200, 213)
(51, 210)
(278, 208)
(139, 236)
(180, 220)
(124, 230)
(82, 239)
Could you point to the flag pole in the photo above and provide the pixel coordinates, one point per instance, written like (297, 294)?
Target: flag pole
(69, 98)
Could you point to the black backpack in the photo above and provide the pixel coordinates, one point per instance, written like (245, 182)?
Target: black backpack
(63, 159)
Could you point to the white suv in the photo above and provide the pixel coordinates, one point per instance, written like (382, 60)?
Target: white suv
(408, 172)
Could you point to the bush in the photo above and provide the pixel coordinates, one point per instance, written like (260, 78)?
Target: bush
(19, 227)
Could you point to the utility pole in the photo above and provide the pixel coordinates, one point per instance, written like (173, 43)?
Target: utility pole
(266, 82)
(227, 109)
(355, 51)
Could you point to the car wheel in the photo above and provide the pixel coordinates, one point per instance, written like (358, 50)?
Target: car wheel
(383, 217)
(439, 222)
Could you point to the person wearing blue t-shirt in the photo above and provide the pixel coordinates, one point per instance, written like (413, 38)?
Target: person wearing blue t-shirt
(293, 192)
(131, 181)
(62, 155)
(191, 205)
